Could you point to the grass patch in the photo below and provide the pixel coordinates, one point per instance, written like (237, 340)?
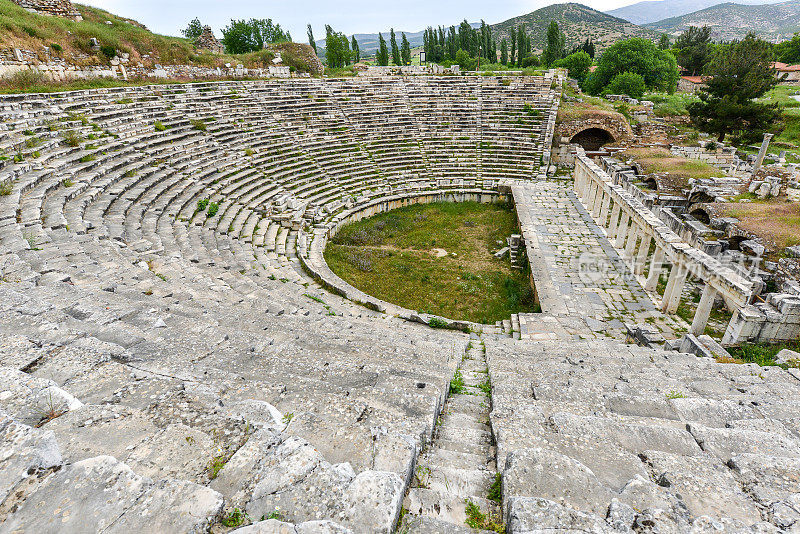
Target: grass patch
(760, 353)
(674, 105)
(213, 208)
(776, 222)
(437, 259)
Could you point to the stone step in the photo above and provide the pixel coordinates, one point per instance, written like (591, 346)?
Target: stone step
(428, 503)
(412, 524)
(460, 482)
(466, 420)
(462, 460)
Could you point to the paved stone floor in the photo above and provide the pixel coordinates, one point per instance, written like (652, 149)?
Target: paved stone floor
(579, 275)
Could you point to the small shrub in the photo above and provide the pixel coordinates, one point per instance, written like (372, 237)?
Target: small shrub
(236, 518)
(199, 124)
(159, 126)
(479, 520)
(6, 188)
(108, 51)
(202, 204)
(626, 83)
(56, 47)
(435, 322)
(496, 491)
(248, 152)
(66, 182)
(72, 138)
(213, 208)
(87, 158)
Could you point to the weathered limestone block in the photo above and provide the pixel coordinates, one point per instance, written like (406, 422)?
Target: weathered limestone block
(273, 526)
(24, 452)
(532, 515)
(116, 499)
(30, 399)
(726, 442)
(550, 475)
(704, 485)
(287, 473)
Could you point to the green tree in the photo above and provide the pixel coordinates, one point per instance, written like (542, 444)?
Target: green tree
(395, 49)
(694, 49)
(504, 52)
(789, 51)
(382, 55)
(740, 72)
(337, 48)
(243, 36)
(194, 30)
(663, 42)
(355, 50)
(405, 49)
(311, 41)
(657, 67)
(465, 61)
(626, 83)
(556, 43)
(577, 64)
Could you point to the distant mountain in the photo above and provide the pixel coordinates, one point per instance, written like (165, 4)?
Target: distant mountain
(578, 22)
(656, 10)
(775, 22)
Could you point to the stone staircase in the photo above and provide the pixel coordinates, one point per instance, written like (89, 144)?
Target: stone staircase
(456, 474)
(509, 327)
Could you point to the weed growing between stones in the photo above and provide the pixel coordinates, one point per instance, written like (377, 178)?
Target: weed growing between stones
(236, 518)
(6, 188)
(202, 204)
(435, 322)
(457, 384)
(675, 395)
(213, 208)
(479, 520)
(159, 126)
(496, 491)
(198, 124)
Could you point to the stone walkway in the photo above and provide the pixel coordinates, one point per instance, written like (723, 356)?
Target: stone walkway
(579, 276)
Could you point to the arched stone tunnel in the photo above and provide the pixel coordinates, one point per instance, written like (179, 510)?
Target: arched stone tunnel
(591, 139)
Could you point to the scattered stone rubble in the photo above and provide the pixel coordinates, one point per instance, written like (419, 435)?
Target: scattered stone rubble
(183, 357)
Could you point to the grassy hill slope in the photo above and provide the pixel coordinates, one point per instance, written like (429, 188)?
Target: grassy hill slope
(69, 40)
(730, 21)
(578, 22)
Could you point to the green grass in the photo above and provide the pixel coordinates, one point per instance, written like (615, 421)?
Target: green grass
(760, 353)
(666, 105)
(496, 491)
(390, 257)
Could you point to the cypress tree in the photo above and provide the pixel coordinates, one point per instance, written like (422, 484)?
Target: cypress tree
(405, 49)
(513, 46)
(311, 38)
(504, 52)
(395, 50)
(356, 51)
(382, 56)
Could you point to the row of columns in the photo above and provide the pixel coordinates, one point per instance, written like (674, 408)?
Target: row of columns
(635, 241)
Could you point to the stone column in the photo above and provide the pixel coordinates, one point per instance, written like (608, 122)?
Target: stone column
(656, 265)
(633, 236)
(641, 257)
(604, 211)
(593, 190)
(672, 294)
(703, 310)
(612, 226)
(598, 202)
(762, 152)
(622, 230)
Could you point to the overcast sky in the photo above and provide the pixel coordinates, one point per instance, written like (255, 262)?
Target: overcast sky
(349, 16)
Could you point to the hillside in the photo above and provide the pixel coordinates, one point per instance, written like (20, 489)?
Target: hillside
(368, 42)
(577, 21)
(730, 21)
(55, 38)
(656, 10)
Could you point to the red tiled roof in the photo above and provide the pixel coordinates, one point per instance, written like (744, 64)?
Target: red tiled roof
(694, 79)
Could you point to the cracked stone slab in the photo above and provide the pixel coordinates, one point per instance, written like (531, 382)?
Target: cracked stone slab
(116, 499)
